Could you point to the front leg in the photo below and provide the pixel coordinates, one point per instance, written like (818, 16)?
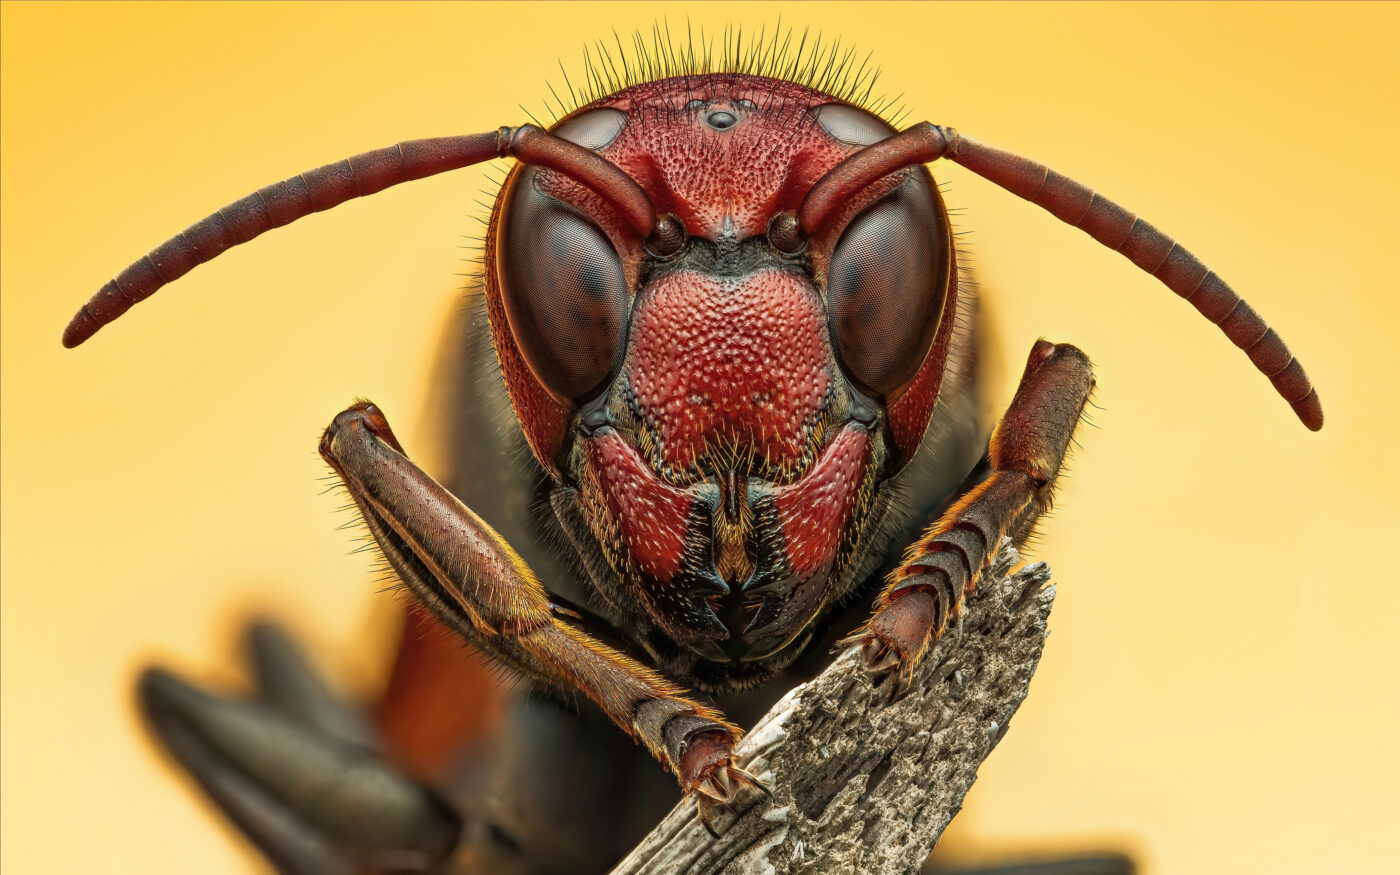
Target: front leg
(465, 573)
(1026, 452)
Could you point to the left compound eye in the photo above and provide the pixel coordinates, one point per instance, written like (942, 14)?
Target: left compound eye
(887, 285)
(561, 280)
(595, 129)
(564, 292)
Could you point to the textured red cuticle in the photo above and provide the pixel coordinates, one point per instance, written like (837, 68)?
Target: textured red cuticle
(741, 176)
(719, 363)
(651, 515)
(815, 511)
(715, 182)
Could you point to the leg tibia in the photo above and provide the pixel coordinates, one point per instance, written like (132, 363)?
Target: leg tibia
(1039, 424)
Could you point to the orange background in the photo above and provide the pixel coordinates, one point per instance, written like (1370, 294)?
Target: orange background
(1219, 691)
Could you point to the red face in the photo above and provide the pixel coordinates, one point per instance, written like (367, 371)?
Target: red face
(724, 416)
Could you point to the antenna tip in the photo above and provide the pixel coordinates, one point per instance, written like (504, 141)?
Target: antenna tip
(80, 328)
(1309, 410)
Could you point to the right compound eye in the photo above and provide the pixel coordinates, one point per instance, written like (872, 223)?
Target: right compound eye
(564, 292)
(887, 285)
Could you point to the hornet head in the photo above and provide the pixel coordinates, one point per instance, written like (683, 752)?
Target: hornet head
(726, 403)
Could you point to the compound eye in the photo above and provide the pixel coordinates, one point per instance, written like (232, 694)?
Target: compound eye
(595, 129)
(564, 292)
(852, 126)
(887, 285)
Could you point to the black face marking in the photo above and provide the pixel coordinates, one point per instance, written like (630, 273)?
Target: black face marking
(727, 258)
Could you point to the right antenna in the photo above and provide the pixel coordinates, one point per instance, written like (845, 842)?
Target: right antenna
(1095, 215)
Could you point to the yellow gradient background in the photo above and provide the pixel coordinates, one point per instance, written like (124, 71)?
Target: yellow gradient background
(1219, 693)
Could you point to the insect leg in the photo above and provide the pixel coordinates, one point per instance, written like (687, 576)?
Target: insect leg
(466, 574)
(1026, 453)
(297, 770)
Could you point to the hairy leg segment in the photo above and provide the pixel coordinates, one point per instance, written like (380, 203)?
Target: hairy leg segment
(1027, 450)
(470, 578)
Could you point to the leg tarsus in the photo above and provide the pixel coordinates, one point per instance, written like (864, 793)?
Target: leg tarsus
(741, 791)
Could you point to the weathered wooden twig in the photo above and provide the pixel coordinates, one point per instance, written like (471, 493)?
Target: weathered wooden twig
(864, 782)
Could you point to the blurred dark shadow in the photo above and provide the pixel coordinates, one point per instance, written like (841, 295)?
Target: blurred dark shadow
(1097, 864)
